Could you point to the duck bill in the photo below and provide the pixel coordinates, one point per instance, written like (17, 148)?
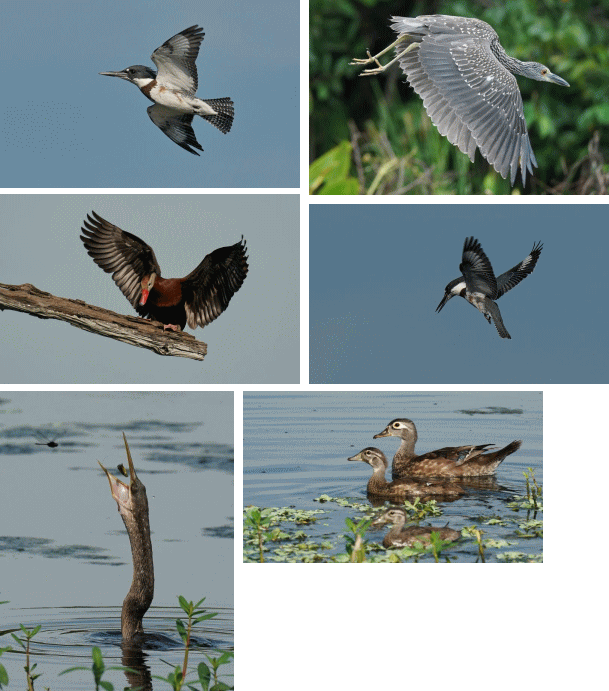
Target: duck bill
(381, 520)
(144, 298)
(384, 433)
(357, 457)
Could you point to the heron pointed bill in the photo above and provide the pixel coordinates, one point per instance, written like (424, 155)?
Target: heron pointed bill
(555, 79)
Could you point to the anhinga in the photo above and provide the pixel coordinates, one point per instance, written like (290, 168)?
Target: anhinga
(133, 508)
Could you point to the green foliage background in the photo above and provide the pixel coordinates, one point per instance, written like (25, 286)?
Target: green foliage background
(372, 135)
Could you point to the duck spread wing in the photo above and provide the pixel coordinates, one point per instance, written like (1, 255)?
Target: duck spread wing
(209, 288)
(124, 255)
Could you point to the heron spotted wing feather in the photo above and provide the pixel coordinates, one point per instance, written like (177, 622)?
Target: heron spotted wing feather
(517, 273)
(476, 269)
(209, 288)
(465, 87)
(125, 256)
(175, 60)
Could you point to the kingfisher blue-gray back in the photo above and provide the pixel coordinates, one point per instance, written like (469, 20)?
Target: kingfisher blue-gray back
(173, 89)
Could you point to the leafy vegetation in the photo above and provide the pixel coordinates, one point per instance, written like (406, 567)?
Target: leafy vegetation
(280, 534)
(377, 125)
(207, 676)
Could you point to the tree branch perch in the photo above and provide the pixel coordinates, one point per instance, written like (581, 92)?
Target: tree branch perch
(135, 331)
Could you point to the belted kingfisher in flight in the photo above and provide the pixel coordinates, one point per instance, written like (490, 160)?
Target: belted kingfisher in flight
(479, 286)
(173, 90)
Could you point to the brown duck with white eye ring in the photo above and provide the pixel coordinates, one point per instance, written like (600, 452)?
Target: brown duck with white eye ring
(378, 486)
(451, 461)
(399, 536)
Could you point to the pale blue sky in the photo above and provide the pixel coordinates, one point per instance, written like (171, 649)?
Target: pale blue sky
(256, 340)
(64, 125)
(378, 272)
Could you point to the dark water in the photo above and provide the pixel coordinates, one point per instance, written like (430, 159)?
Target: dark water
(65, 557)
(296, 447)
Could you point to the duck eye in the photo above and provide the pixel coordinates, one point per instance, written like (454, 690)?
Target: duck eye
(396, 425)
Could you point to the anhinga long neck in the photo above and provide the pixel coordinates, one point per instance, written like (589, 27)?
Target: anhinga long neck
(140, 595)
(133, 508)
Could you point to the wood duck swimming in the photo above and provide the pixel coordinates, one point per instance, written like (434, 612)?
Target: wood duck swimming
(451, 461)
(399, 536)
(378, 486)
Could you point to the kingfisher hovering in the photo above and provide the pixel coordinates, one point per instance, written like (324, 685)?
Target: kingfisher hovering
(479, 286)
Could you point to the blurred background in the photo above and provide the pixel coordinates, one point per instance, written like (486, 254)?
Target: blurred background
(371, 135)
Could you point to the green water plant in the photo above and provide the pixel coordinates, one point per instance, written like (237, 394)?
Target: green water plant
(263, 525)
(29, 669)
(98, 668)
(354, 539)
(3, 672)
(177, 677)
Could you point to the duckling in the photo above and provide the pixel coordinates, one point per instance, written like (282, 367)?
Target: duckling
(399, 536)
(378, 486)
(451, 461)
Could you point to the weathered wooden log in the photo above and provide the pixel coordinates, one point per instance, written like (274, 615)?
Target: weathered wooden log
(135, 331)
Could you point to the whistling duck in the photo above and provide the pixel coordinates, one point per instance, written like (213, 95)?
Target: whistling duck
(197, 299)
(399, 536)
(378, 486)
(452, 461)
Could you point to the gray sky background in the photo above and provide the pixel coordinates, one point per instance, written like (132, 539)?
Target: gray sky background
(256, 340)
(378, 272)
(64, 125)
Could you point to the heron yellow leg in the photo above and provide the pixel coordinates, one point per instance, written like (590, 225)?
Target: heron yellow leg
(374, 58)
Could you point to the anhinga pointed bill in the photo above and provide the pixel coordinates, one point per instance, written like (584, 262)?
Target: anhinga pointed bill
(133, 508)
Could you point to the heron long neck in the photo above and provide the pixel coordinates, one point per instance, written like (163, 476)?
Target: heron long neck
(512, 64)
(140, 594)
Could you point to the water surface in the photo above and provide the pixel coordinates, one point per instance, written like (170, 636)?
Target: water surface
(296, 447)
(64, 552)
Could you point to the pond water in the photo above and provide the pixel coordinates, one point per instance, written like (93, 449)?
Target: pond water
(296, 447)
(65, 556)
